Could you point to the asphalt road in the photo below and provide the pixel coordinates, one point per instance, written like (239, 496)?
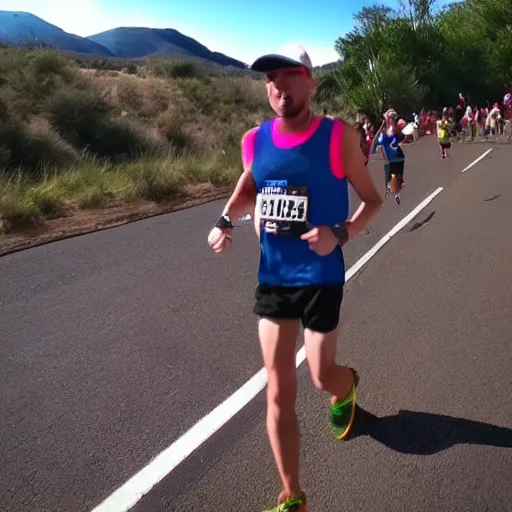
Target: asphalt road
(115, 343)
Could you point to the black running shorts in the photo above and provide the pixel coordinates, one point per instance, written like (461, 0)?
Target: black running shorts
(396, 168)
(317, 307)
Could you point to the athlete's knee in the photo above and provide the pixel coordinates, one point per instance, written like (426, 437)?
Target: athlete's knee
(321, 357)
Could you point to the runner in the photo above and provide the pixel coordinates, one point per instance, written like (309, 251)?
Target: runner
(507, 103)
(366, 138)
(491, 123)
(443, 134)
(297, 167)
(389, 139)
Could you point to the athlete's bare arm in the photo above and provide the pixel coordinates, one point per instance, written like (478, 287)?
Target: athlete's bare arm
(359, 177)
(243, 198)
(241, 202)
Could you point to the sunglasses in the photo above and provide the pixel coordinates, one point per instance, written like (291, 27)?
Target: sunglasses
(272, 76)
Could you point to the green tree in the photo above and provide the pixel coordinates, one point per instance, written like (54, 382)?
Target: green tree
(422, 53)
(377, 68)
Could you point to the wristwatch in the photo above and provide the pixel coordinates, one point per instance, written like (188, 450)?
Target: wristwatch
(341, 233)
(224, 222)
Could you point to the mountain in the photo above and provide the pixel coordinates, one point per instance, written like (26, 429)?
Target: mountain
(22, 28)
(133, 42)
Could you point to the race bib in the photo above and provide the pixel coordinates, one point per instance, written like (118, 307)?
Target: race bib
(283, 210)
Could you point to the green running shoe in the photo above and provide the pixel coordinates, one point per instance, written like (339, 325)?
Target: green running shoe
(295, 504)
(342, 413)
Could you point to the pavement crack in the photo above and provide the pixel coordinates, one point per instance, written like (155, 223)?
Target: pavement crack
(495, 196)
(418, 225)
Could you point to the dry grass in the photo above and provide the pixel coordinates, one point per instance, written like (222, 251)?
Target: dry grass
(93, 184)
(82, 138)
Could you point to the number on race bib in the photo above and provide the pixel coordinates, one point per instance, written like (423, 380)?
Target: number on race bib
(280, 207)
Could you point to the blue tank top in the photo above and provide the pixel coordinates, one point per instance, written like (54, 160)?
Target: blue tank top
(391, 146)
(297, 190)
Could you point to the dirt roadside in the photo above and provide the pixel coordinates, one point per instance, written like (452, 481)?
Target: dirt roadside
(80, 222)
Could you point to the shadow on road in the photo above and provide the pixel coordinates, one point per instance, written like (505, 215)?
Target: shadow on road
(423, 433)
(418, 225)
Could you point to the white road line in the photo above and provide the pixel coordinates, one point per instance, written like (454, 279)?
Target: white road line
(361, 262)
(166, 461)
(481, 157)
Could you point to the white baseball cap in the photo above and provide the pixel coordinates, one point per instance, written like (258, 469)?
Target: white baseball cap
(290, 56)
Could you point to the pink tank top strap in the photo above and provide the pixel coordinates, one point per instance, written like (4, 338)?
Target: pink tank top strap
(336, 149)
(248, 144)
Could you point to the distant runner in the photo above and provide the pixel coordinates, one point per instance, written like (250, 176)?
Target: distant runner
(491, 123)
(507, 103)
(297, 168)
(389, 139)
(444, 128)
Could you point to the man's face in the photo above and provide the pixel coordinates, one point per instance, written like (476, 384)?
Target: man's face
(289, 90)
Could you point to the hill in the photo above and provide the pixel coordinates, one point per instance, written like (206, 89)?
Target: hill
(136, 42)
(27, 30)
(22, 28)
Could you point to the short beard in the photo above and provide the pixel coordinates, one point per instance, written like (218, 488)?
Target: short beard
(295, 111)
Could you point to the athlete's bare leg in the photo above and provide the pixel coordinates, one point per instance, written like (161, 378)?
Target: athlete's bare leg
(325, 373)
(396, 184)
(278, 340)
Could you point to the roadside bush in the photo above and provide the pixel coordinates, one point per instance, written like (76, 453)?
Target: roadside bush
(22, 205)
(166, 68)
(34, 76)
(76, 114)
(158, 100)
(128, 94)
(171, 125)
(154, 180)
(33, 147)
(118, 137)
(46, 148)
(224, 98)
(13, 139)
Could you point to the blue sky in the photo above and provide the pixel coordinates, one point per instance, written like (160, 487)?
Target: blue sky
(240, 29)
